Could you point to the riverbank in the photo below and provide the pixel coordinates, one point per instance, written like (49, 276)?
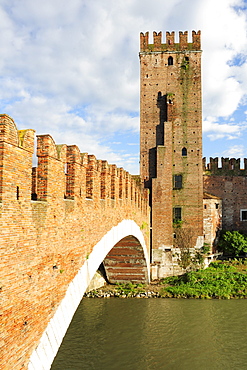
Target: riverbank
(221, 280)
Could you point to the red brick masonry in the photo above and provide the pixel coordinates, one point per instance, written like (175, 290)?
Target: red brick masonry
(76, 200)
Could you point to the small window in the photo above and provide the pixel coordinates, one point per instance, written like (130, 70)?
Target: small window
(177, 181)
(177, 214)
(216, 205)
(170, 61)
(205, 206)
(243, 215)
(184, 152)
(17, 193)
(34, 196)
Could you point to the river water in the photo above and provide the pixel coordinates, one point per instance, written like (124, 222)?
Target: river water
(153, 334)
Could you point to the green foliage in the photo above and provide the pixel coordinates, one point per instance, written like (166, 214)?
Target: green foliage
(184, 258)
(233, 243)
(185, 64)
(177, 223)
(205, 249)
(129, 289)
(144, 225)
(198, 259)
(220, 280)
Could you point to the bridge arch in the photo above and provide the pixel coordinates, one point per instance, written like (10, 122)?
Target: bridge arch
(126, 262)
(123, 248)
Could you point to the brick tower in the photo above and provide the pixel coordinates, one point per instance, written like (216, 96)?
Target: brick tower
(171, 137)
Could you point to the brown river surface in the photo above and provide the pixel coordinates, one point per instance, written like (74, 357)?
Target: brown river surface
(153, 334)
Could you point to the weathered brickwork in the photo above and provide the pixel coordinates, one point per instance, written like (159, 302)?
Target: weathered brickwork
(132, 267)
(171, 152)
(229, 183)
(171, 133)
(76, 200)
(212, 220)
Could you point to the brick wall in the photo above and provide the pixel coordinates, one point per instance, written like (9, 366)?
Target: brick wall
(44, 242)
(212, 220)
(233, 192)
(228, 181)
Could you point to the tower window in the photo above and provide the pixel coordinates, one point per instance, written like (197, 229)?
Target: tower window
(184, 152)
(177, 214)
(177, 181)
(170, 61)
(243, 214)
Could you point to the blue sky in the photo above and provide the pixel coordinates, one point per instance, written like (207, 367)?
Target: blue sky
(71, 69)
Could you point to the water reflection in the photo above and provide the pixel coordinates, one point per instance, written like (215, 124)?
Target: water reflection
(155, 334)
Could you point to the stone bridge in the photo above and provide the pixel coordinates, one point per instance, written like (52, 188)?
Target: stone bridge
(60, 221)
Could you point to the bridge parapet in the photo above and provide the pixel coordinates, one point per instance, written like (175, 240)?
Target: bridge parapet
(64, 172)
(77, 201)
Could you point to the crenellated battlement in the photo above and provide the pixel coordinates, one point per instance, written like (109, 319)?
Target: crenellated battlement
(170, 45)
(62, 171)
(229, 167)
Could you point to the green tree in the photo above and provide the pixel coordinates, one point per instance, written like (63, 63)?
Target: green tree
(233, 243)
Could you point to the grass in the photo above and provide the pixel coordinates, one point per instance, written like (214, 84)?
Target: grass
(130, 289)
(222, 280)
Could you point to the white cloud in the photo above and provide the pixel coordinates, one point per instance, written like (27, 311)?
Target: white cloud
(223, 82)
(215, 130)
(235, 151)
(71, 69)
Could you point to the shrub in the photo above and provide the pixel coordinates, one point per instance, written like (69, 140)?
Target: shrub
(233, 243)
(219, 280)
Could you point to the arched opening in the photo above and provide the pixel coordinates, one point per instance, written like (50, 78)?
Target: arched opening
(184, 152)
(126, 262)
(170, 61)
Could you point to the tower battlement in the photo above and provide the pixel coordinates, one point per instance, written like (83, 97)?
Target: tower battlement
(170, 44)
(229, 167)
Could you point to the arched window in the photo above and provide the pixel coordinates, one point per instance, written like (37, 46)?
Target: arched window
(170, 61)
(184, 152)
